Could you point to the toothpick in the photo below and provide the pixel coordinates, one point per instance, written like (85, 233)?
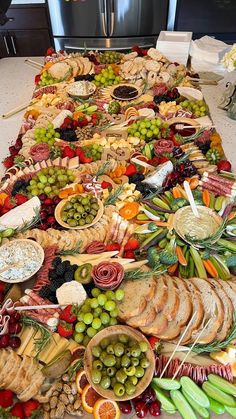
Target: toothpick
(178, 344)
(35, 63)
(46, 306)
(191, 348)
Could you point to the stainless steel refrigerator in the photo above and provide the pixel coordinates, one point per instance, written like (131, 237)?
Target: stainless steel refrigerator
(106, 24)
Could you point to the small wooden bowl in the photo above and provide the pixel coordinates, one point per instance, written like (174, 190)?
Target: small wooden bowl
(113, 331)
(61, 204)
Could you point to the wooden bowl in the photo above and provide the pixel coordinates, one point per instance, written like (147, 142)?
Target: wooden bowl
(210, 214)
(113, 331)
(61, 204)
(40, 259)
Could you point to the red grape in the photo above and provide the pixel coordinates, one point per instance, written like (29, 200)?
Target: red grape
(4, 341)
(155, 408)
(125, 407)
(14, 342)
(14, 328)
(141, 409)
(148, 395)
(1, 296)
(14, 317)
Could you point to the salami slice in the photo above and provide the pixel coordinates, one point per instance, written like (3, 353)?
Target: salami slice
(163, 146)
(108, 275)
(95, 247)
(40, 152)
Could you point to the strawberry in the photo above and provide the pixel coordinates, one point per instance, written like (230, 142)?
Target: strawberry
(129, 254)
(154, 161)
(9, 203)
(224, 165)
(65, 329)
(154, 343)
(69, 314)
(83, 123)
(18, 144)
(31, 408)
(163, 159)
(8, 162)
(18, 411)
(20, 199)
(110, 247)
(132, 244)
(37, 78)
(50, 51)
(68, 152)
(13, 151)
(106, 185)
(131, 170)
(6, 398)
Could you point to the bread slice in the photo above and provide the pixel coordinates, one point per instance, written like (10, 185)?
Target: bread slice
(161, 294)
(213, 308)
(169, 311)
(197, 308)
(227, 286)
(183, 314)
(137, 293)
(228, 310)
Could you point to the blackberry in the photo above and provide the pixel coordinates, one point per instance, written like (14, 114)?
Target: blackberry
(19, 185)
(204, 146)
(53, 299)
(45, 292)
(67, 134)
(69, 276)
(74, 267)
(52, 275)
(56, 261)
(53, 286)
(60, 269)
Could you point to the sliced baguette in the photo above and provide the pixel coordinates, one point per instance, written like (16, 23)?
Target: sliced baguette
(213, 308)
(183, 314)
(227, 285)
(228, 310)
(161, 294)
(137, 293)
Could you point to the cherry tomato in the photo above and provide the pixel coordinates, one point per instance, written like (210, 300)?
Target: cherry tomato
(155, 408)
(141, 409)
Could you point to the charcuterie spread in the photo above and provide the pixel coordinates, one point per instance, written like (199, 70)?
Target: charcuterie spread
(118, 216)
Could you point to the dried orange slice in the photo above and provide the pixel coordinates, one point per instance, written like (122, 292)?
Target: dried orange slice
(89, 397)
(106, 409)
(129, 210)
(81, 381)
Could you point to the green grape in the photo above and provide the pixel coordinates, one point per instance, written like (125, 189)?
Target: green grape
(80, 327)
(110, 295)
(94, 303)
(91, 332)
(102, 299)
(88, 318)
(105, 319)
(95, 292)
(78, 337)
(110, 305)
(96, 324)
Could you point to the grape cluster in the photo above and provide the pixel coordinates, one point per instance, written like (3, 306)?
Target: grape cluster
(46, 135)
(88, 77)
(169, 96)
(107, 77)
(14, 328)
(49, 181)
(97, 313)
(197, 107)
(94, 151)
(179, 174)
(110, 57)
(147, 129)
(46, 79)
(67, 134)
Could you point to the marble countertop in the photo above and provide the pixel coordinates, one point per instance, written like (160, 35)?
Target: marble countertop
(17, 85)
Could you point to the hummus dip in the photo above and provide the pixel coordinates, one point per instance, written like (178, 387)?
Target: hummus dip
(186, 224)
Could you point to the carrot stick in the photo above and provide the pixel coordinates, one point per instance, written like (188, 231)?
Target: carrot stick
(180, 256)
(158, 223)
(172, 268)
(206, 197)
(210, 268)
(176, 193)
(232, 215)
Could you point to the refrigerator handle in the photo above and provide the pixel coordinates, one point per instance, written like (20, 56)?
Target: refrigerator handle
(112, 17)
(104, 15)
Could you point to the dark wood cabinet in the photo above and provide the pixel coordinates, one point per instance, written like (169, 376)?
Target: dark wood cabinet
(27, 33)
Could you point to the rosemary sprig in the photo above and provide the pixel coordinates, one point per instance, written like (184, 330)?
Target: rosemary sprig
(137, 274)
(71, 251)
(215, 345)
(45, 335)
(103, 169)
(112, 198)
(28, 225)
(193, 136)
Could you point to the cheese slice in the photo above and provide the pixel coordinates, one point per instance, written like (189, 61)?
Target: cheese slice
(55, 340)
(25, 336)
(157, 177)
(20, 215)
(61, 347)
(30, 348)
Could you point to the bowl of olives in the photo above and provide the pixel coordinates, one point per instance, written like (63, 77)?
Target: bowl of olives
(79, 211)
(119, 363)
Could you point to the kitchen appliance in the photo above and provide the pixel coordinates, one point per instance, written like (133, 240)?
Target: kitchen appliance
(106, 24)
(215, 18)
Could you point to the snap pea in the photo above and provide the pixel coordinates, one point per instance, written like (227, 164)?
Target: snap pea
(166, 383)
(218, 395)
(182, 405)
(216, 407)
(202, 411)
(194, 391)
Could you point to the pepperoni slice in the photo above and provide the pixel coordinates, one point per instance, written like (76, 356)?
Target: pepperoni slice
(108, 275)
(163, 146)
(40, 152)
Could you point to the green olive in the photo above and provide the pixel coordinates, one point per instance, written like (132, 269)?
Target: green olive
(143, 346)
(110, 349)
(125, 361)
(103, 356)
(85, 200)
(130, 388)
(71, 222)
(133, 380)
(135, 351)
(139, 372)
(96, 376)
(77, 216)
(130, 371)
(144, 363)
(134, 361)
(113, 381)
(96, 351)
(87, 208)
(119, 349)
(109, 361)
(73, 200)
(128, 351)
(105, 382)
(84, 215)
(79, 209)
(71, 214)
(111, 371)
(118, 363)
(121, 376)
(119, 389)
(81, 222)
(97, 365)
(95, 206)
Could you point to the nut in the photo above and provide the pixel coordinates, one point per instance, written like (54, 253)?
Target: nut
(71, 398)
(52, 413)
(65, 378)
(55, 393)
(67, 389)
(58, 386)
(77, 404)
(74, 388)
(53, 402)
(70, 409)
(46, 407)
(60, 410)
(64, 399)
(46, 415)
